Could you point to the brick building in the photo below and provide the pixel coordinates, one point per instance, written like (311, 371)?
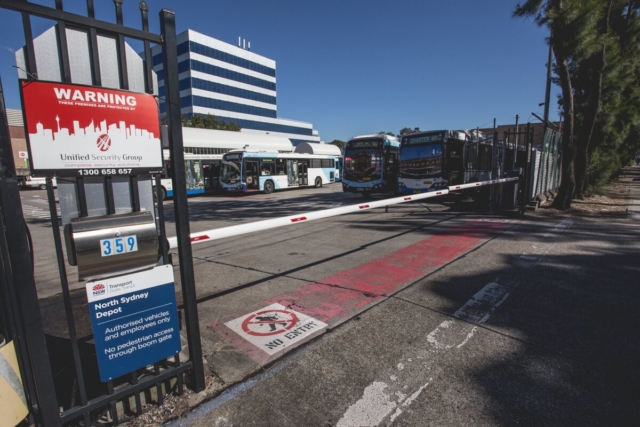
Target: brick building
(18, 141)
(538, 131)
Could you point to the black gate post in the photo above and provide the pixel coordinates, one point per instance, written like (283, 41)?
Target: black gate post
(24, 285)
(180, 204)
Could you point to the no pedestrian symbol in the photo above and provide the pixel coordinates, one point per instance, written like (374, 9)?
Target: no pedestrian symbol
(275, 327)
(269, 322)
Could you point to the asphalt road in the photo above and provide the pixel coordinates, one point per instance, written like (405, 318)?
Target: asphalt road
(435, 314)
(538, 326)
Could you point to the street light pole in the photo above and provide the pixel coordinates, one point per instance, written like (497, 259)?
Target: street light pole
(547, 95)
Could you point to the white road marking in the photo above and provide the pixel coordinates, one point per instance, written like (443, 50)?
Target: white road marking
(377, 403)
(374, 406)
(449, 334)
(469, 335)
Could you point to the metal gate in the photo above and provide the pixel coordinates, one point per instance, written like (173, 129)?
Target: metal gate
(20, 312)
(518, 146)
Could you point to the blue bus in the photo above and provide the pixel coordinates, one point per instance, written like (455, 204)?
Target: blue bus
(370, 164)
(435, 159)
(244, 171)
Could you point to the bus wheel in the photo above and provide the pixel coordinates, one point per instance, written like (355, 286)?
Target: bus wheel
(163, 194)
(268, 187)
(42, 187)
(318, 182)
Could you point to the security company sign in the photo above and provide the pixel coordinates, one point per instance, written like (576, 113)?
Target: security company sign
(275, 327)
(134, 319)
(75, 130)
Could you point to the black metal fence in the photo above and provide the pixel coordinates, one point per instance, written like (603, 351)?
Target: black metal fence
(519, 143)
(21, 318)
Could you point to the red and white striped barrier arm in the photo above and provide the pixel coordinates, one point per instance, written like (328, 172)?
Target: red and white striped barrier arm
(236, 230)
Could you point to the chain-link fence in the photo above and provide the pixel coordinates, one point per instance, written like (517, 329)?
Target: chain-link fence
(546, 163)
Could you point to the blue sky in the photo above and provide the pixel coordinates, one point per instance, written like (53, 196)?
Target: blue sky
(362, 66)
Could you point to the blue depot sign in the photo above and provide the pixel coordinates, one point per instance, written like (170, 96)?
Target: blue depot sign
(134, 319)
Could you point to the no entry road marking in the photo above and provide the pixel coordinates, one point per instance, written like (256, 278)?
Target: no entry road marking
(275, 327)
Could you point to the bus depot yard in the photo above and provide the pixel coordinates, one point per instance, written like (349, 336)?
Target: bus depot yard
(432, 312)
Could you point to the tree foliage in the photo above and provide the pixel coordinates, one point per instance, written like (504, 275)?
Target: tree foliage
(208, 122)
(408, 131)
(597, 65)
(338, 143)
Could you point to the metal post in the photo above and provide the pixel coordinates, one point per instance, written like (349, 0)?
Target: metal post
(525, 180)
(66, 297)
(180, 204)
(23, 278)
(515, 143)
(148, 59)
(494, 162)
(547, 93)
(122, 53)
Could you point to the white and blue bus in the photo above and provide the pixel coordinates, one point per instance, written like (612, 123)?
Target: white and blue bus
(201, 173)
(339, 161)
(245, 171)
(370, 164)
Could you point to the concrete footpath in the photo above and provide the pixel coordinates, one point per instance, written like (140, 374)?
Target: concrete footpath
(537, 326)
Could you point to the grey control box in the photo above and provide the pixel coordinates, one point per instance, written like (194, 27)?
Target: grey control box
(103, 246)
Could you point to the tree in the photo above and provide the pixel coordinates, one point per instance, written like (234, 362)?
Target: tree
(204, 122)
(614, 130)
(407, 131)
(208, 121)
(596, 47)
(338, 143)
(557, 16)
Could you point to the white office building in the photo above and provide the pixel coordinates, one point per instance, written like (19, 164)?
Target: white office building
(233, 84)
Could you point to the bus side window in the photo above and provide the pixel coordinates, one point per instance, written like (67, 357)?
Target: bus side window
(280, 167)
(267, 169)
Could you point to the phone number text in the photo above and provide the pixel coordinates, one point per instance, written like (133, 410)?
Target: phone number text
(94, 172)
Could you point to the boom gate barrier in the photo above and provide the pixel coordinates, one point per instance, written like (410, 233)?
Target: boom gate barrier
(236, 230)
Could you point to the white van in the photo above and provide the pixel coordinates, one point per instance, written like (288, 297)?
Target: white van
(41, 183)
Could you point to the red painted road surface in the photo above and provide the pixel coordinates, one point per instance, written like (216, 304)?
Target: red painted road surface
(338, 298)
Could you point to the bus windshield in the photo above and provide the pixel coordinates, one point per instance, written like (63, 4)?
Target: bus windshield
(230, 172)
(421, 161)
(361, 164)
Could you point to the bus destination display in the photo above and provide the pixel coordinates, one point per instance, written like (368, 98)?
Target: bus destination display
(423, 139)
(364, 144)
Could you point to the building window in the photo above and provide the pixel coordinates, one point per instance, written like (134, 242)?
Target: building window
(233, 91)
(217, 104)
(229, 58)
(228, 74)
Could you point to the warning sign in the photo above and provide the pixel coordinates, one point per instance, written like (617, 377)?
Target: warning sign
(275, 327)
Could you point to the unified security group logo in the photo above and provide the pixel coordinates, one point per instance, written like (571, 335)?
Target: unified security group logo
(103, 142)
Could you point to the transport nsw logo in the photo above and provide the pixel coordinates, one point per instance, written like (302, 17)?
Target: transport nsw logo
(98, 289)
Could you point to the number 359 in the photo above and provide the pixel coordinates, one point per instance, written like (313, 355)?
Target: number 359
(119, 245)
